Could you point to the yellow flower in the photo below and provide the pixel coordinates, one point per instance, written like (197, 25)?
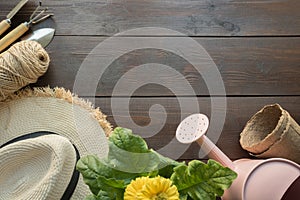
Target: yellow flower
(146, 188)
(134, 188)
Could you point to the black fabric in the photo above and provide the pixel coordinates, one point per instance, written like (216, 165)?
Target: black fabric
(74, 180)
(27, 136)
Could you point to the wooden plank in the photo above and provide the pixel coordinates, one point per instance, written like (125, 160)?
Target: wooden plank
(248, 66)
(193, 18)
(238, 112)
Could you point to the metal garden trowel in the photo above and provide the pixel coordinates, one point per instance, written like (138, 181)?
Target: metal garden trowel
(43, 36)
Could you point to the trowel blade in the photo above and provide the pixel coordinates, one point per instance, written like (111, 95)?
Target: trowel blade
(43, 36)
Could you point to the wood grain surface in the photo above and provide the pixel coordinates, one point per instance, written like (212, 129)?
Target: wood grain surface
(255, 46)
(239, 111)
(193, 18)
(248, 66)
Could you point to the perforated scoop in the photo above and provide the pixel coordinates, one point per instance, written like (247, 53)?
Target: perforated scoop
(193, 128)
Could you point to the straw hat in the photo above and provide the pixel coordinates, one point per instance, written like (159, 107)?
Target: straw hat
(33, 113)
(38, 168)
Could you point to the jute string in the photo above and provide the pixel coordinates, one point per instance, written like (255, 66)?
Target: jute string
(22, 64)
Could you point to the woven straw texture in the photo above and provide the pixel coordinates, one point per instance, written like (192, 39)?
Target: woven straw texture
(59, 111)
(38, 168)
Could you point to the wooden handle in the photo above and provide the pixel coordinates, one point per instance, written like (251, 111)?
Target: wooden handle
(13, 36)
(4, 25)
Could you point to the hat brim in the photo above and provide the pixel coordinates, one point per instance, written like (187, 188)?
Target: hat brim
(58, 111)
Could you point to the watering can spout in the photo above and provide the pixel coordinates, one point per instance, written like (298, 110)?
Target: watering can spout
(214, 152)
(193, 128)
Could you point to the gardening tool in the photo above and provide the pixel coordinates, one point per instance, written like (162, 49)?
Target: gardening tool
(43, 36)
(5, 24)
(257, 179)
(12, 36)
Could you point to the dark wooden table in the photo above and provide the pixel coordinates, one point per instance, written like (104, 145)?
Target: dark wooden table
(254, 44)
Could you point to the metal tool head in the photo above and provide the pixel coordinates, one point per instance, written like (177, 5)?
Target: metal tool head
(192, 128)
(43, 36)
(38, 15)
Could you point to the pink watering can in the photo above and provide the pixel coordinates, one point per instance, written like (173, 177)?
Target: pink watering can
(257, 179)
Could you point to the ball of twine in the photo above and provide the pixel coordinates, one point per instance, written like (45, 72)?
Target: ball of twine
(22, 64)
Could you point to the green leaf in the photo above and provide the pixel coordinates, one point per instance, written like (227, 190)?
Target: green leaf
(124, 139)
(130, 153)
(112, 188)
(183, 196)
(131, 162)
(100, 178)
(202, 181)
(102, 195)
(166, 165)
(92, 197)
(91, 168)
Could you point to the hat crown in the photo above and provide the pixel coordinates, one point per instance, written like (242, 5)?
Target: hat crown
(37, 168)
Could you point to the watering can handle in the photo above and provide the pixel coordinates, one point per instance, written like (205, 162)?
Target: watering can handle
(214, 152)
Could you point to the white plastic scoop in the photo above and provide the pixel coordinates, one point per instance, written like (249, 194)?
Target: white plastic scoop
(257, 179)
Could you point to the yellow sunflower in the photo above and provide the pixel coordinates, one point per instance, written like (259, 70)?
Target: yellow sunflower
(157, 188)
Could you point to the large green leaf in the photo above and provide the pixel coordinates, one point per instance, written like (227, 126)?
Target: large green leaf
(93, 197)
(130, 153)
(102, 195)
(91, 168)
(114, 189)
(132, 162)
(202, 181)
(166, 165)
(124, 139)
